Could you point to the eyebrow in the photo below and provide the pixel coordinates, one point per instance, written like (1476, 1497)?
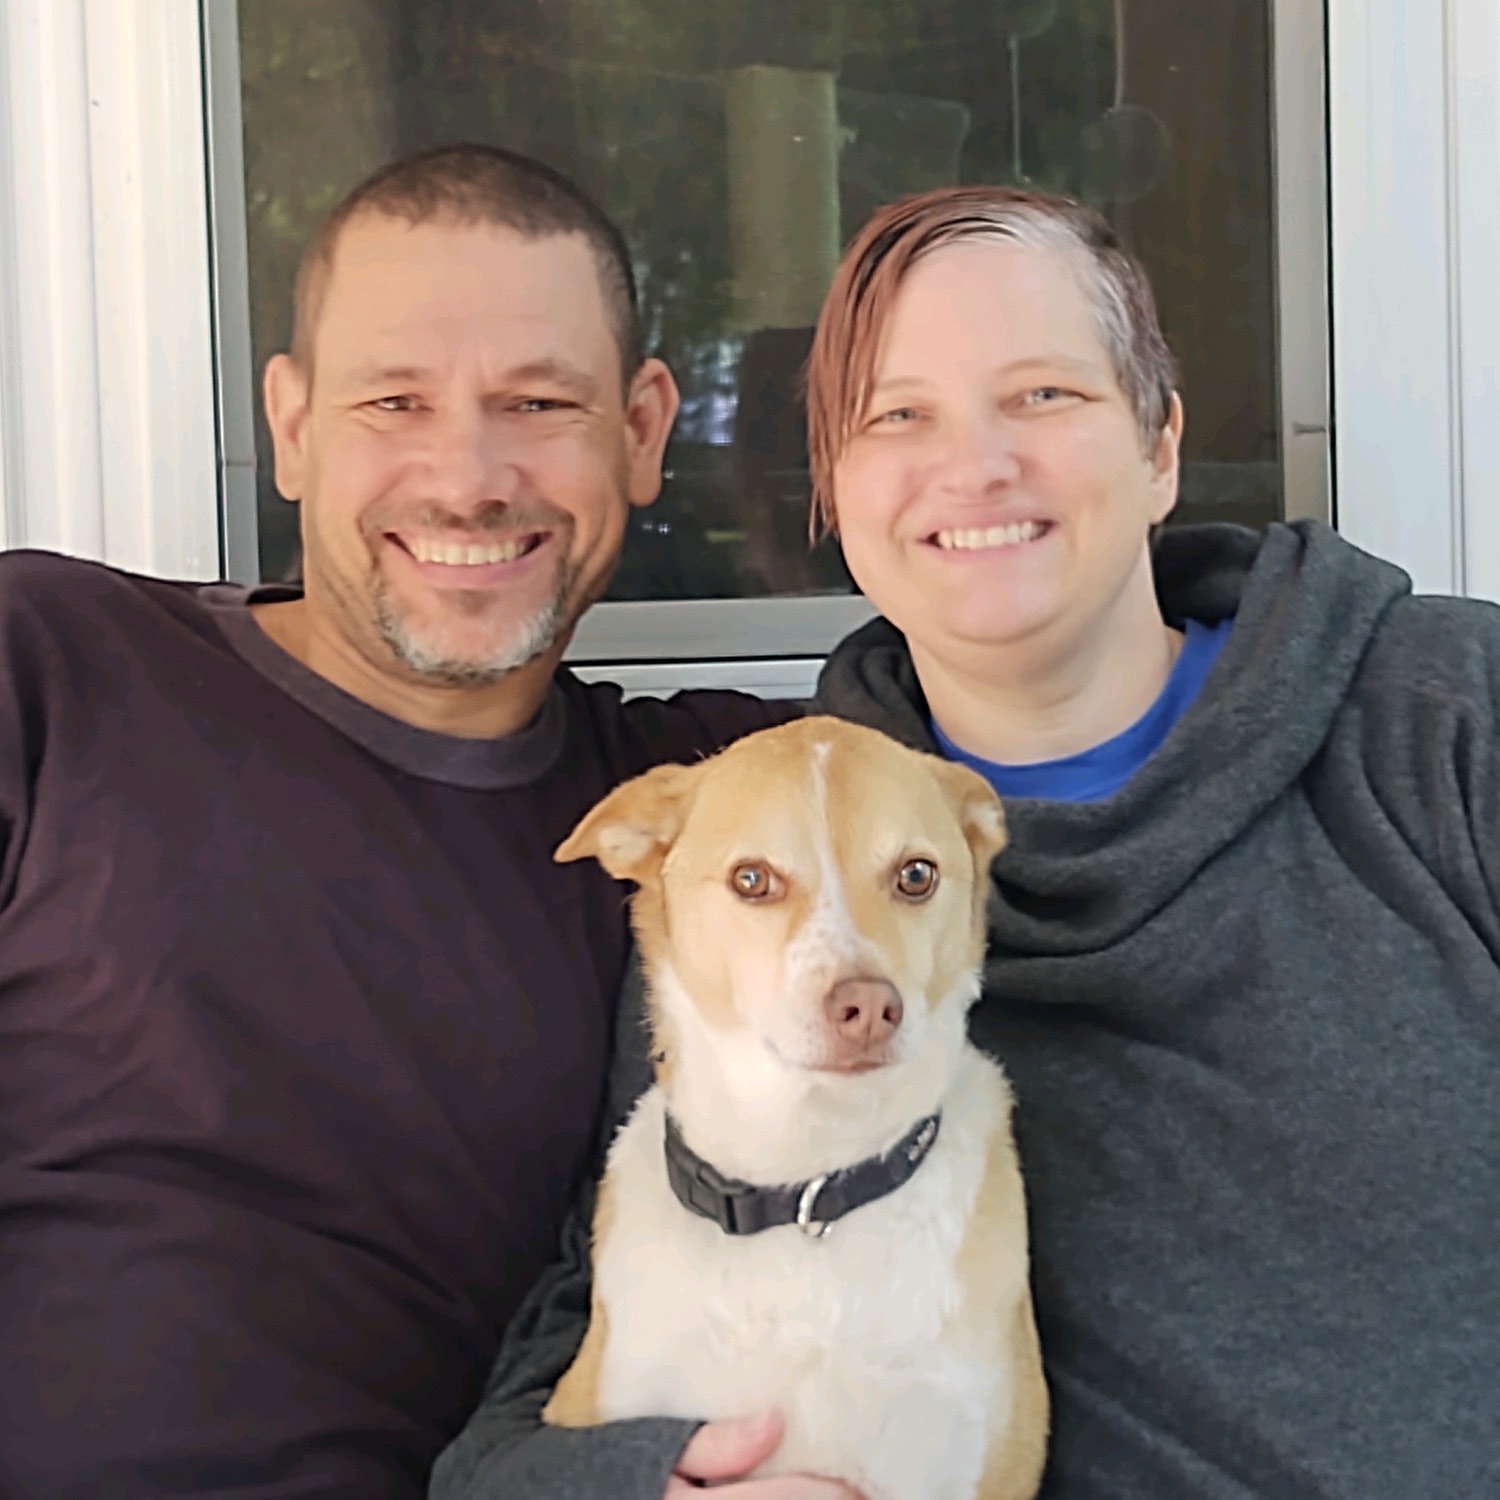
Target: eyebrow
(388, 375)
(557, 371)
(1032, 362)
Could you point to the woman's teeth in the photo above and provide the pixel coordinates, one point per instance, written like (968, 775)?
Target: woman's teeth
(976, 538)
(457, 554)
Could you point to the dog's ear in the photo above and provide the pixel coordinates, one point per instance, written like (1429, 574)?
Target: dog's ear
(980, 816)
(630, 831)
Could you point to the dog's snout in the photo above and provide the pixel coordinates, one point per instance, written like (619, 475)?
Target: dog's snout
(863, 1015)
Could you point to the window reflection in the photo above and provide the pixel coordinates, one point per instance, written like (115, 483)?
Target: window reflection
(738, 144)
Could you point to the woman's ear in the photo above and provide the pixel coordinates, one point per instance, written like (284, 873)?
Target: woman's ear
(1166, 462)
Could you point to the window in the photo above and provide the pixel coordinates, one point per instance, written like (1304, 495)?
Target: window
(738, 155)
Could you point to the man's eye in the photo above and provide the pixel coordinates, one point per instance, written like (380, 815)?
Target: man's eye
(395, 403)
(543, 403)
(1044, 395)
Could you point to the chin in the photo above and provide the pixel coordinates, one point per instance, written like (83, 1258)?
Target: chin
(975, 622)
(457, 655)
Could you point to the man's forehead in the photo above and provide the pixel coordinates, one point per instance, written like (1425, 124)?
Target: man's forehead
(395, 288)
(441, 258)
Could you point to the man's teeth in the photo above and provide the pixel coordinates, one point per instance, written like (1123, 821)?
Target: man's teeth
(456, 554)
(975, 538)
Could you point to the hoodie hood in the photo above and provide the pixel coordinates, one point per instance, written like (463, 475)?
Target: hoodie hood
(1077, 877)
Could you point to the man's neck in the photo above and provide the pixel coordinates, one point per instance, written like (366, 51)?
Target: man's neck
(1045, 700)
(485, 712)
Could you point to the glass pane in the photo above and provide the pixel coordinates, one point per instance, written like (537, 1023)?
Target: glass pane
(738, 155)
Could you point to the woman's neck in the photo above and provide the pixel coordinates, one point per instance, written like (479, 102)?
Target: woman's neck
(1044, 700)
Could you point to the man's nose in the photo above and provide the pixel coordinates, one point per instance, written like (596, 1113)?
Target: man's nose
(468, 464)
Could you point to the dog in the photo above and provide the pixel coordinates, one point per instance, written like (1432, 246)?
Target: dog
(818, 1205)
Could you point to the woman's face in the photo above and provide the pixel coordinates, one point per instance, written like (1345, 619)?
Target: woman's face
(996, 490)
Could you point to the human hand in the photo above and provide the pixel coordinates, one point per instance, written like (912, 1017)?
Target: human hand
(722, 1452)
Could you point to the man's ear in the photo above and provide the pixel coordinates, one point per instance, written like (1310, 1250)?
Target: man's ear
(650, 409)
(979, 813)
(288, 393)
(632, 829)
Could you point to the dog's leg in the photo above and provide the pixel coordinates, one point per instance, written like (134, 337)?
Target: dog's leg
(993, 1266)
(1013, 1469)
(575, 1400)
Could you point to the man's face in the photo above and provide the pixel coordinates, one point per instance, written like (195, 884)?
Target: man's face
(464, 453)
(997, 488)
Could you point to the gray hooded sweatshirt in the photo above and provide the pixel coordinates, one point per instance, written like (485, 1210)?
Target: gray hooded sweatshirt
(1251, 1008)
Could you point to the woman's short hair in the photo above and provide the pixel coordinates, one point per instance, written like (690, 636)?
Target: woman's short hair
(852, 324)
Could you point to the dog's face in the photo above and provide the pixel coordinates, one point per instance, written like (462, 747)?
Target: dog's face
(817, 891)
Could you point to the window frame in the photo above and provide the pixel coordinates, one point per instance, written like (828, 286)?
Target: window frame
(803, 628)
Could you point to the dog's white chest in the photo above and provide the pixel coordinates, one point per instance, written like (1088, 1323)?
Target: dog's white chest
(859, 1338)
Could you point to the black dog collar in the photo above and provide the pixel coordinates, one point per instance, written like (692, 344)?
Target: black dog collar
(742, 1208)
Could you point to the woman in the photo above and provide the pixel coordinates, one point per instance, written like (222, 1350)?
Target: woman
(1245, 941)
(1245, 951)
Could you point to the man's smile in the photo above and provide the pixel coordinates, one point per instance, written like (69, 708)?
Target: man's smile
(473, 561)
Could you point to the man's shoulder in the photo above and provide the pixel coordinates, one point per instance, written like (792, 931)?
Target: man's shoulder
(80, 624)
(35, 583)
(26, 571)
(641, 732)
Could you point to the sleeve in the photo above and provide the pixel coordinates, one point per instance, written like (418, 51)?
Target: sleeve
(1429, 743)
(19, 736)
(1483, 769)
(506, 1452)
(698, 722)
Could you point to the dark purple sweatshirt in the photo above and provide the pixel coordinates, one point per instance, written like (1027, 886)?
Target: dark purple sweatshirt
(302, 1038)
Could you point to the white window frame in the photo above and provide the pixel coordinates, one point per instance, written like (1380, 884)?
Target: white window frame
(1415, 152)
(107, 434)
(126, 391)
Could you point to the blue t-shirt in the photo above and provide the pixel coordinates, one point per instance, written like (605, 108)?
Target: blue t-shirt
(1094, 774)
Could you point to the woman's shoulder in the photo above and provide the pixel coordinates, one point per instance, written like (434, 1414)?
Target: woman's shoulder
(1430, 650)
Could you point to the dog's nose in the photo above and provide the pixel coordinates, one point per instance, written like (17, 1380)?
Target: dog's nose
(863, 1015)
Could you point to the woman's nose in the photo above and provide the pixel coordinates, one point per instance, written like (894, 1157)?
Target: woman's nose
(980, 456)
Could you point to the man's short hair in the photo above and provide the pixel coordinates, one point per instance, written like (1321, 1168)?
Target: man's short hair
(467, 184)
(852, 324)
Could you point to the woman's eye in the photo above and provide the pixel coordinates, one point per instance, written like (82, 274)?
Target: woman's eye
(753, 881)
(1044, 395)
(897, 416)
(395, 403)
(917, 879)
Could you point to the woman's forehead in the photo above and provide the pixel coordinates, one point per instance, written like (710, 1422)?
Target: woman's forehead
(1000, 302)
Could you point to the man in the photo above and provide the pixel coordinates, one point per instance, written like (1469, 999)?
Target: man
(303, 1030)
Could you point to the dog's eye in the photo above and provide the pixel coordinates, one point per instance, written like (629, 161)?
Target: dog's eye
(917, 879)
(752, 881)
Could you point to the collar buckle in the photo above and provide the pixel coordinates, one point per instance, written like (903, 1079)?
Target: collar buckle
(814, 1229)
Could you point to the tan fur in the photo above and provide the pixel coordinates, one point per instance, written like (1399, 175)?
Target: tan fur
(994, 1242)
(1014, 1468)
(575, 1400)
(678, 832)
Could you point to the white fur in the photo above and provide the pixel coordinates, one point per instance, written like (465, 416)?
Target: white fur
(859, 1338)
(890, 1350)
(759, 1117)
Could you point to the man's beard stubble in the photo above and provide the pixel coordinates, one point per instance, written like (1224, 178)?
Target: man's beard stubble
(533, 637)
